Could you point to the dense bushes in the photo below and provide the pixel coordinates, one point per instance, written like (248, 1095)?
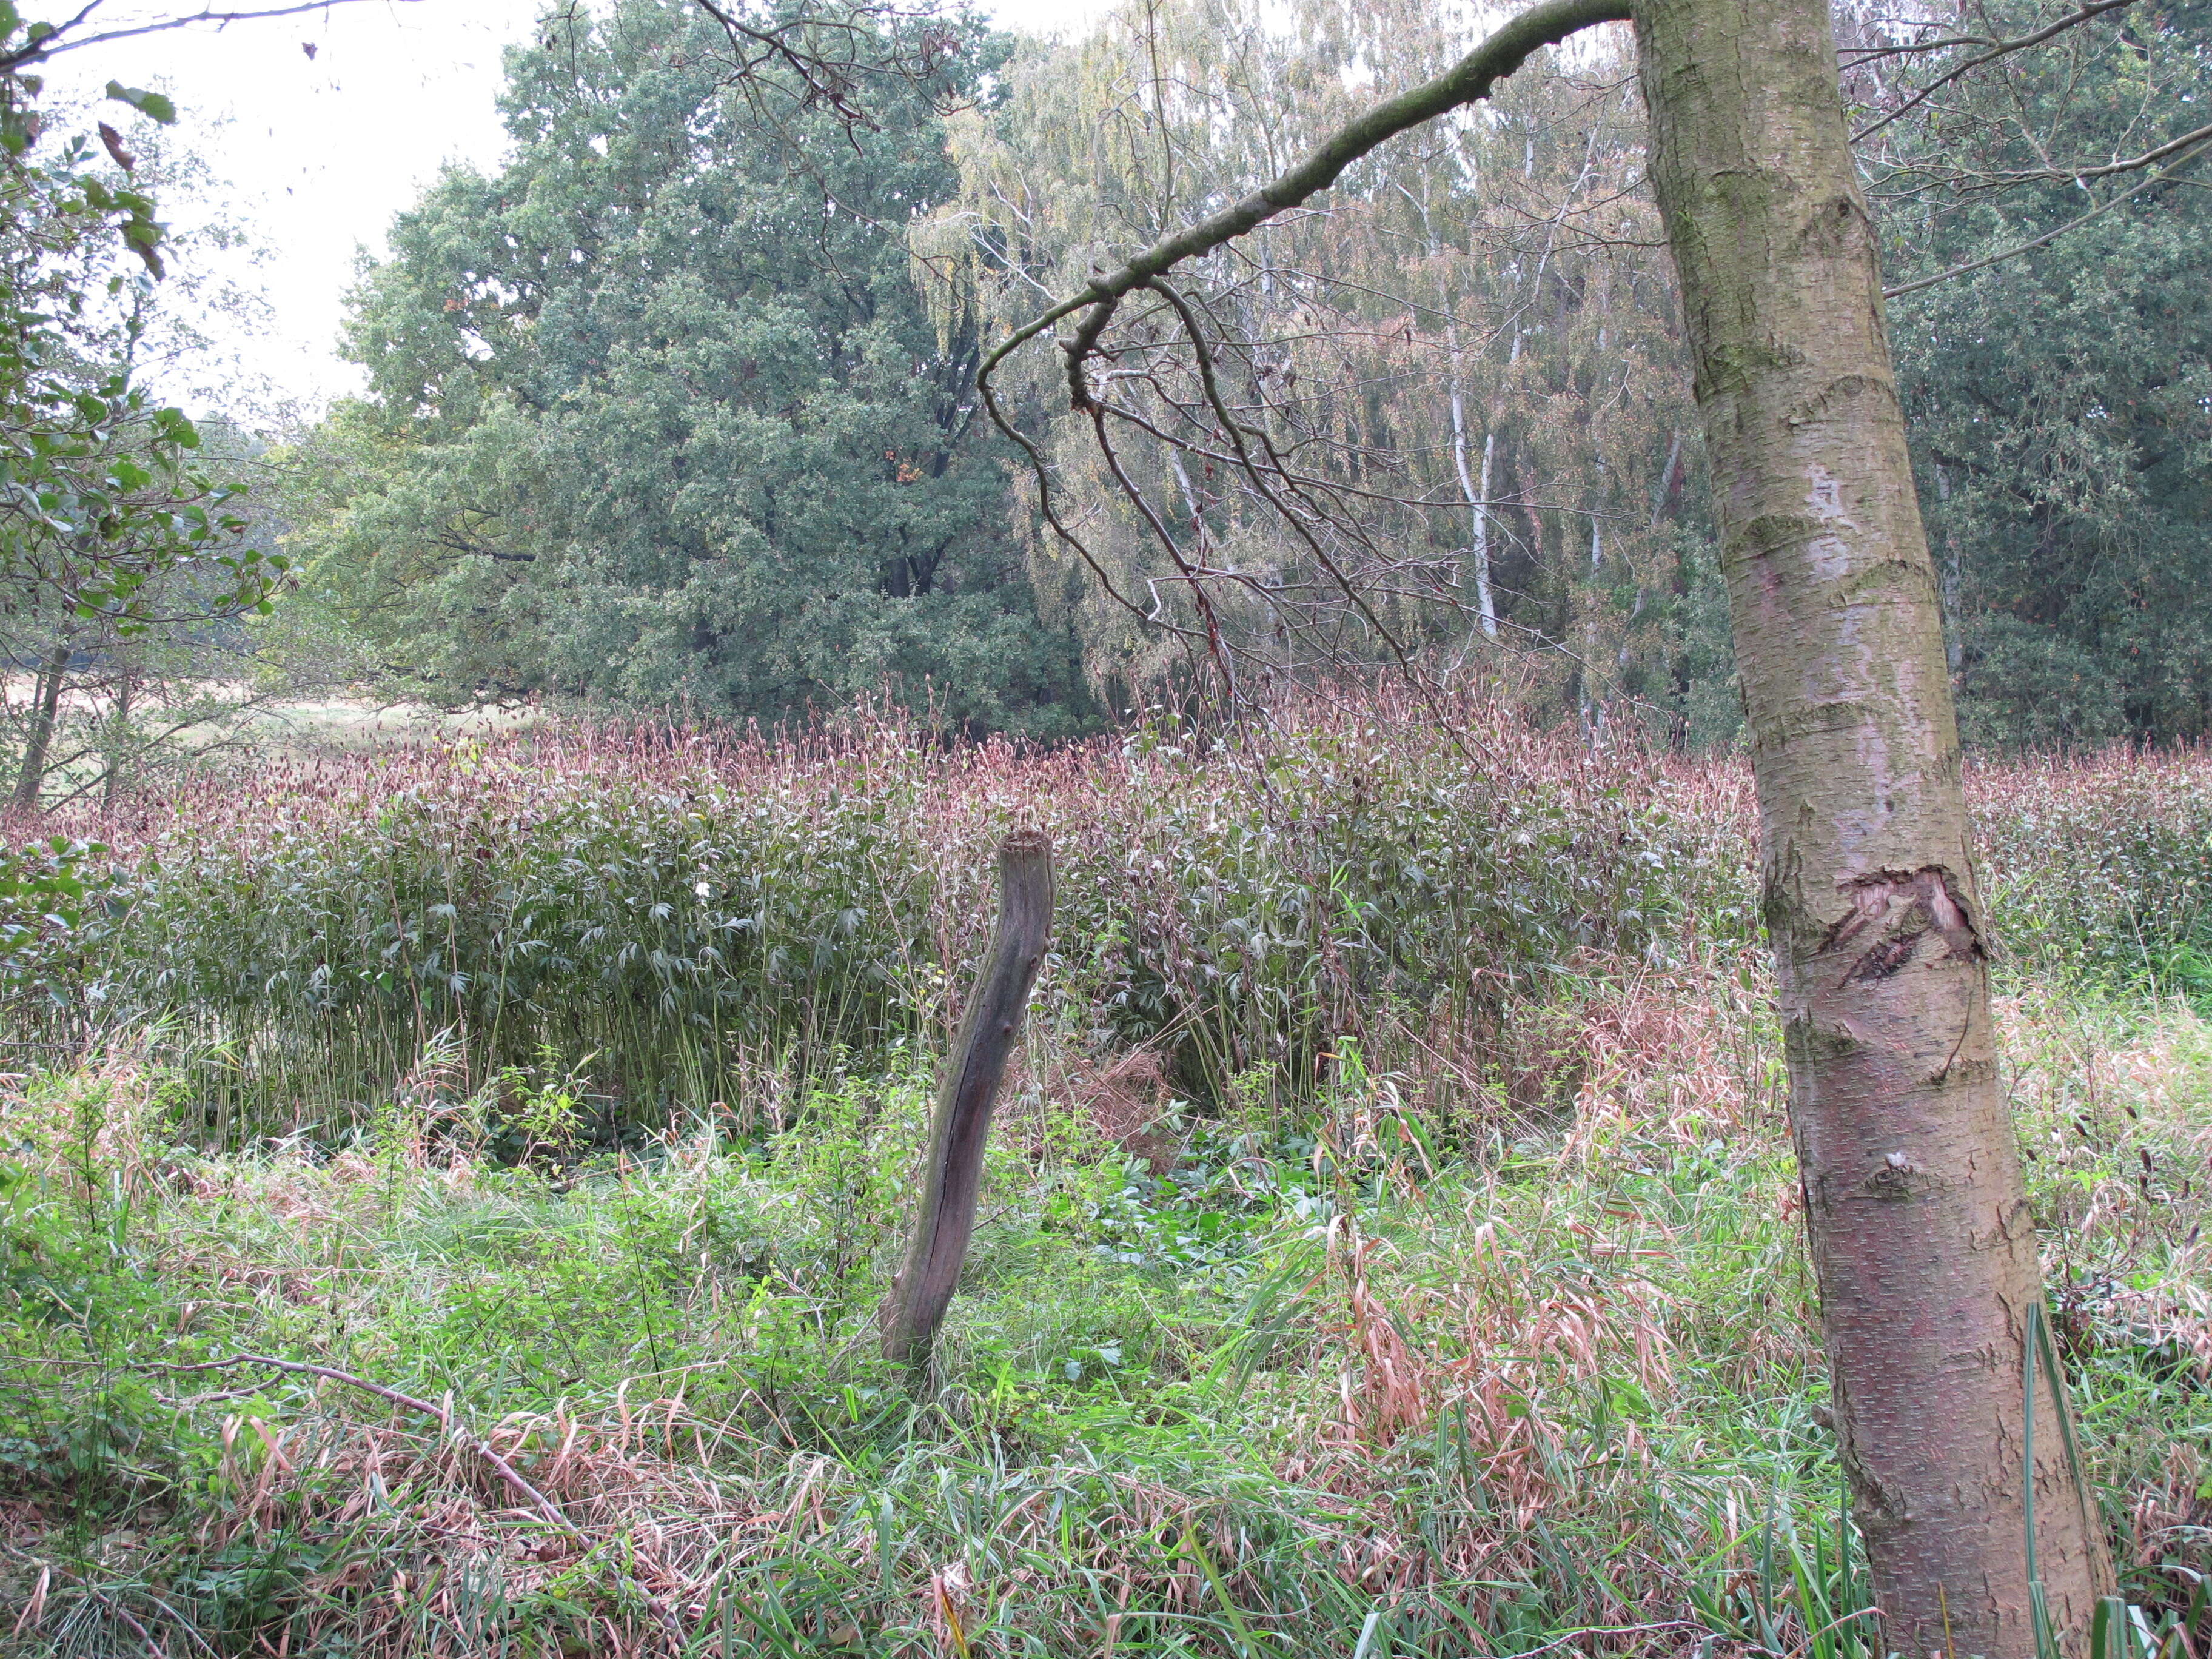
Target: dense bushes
(682, 906)
(677, 915)
(2104, 866)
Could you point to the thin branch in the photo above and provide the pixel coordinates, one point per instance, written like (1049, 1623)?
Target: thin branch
(1859, 56)
(2057, 175)
(2096, 8)
(2203, 141)
(1236, 434)
(824, 83)
(1215, 648)
(49, 45)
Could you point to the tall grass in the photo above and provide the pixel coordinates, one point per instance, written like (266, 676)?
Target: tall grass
(1321, 1393)
(1391, 1246)
(677, 911)
(681, 914)
(2104, 863)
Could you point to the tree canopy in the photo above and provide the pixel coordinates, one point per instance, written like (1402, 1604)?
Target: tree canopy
(656, 414)
(2061, 400)
(678, 407)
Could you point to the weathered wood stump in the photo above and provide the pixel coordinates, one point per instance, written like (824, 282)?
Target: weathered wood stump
(952, 1171)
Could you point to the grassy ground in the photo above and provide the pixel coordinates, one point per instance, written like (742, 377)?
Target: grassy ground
(1359, 1383)
(348, 723)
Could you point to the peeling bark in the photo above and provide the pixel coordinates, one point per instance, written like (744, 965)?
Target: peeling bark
(1917, 1213)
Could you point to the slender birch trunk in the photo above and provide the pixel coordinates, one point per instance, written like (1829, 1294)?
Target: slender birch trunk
(1482, 524)
(1919, 1221)
(39, 737)
(118, 729)
(1477, 501)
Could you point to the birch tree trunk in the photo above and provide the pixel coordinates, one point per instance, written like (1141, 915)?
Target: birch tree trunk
(1478, 499)
(1921, 1235)
(39, 736)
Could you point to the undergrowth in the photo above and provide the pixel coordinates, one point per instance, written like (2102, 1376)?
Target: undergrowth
(446, 1193)
(688, 916)
(694, 916)
(1364, 1380)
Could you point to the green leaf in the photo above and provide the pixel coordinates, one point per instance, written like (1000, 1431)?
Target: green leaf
(152, 105)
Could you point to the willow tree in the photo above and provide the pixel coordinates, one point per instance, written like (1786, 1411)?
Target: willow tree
(1472, 348)
(1951, 1417)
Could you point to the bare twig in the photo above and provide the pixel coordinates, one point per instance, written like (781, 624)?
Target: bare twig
(1999, 48)
(2172, 147)
(60, 40)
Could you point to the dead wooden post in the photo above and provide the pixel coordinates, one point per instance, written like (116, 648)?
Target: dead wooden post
(953, 1170)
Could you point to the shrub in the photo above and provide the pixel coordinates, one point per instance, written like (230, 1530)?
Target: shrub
(685, 904)
(2103, 865)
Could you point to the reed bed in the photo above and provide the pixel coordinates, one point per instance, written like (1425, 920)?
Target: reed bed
(690, 919)
(678, 912)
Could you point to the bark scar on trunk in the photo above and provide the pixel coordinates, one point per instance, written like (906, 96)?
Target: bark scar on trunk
(1899, 1179)
(1901, 908)
(1878, 1513)
(1842, 388)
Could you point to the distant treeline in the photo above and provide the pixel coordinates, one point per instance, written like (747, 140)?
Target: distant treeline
(678, 407)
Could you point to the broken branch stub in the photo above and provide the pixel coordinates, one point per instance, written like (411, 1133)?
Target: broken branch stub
(952, 1171)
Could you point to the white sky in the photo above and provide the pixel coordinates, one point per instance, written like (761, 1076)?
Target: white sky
(317, 153)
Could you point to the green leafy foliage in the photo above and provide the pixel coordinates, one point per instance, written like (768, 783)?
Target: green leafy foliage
(2060, 401)
(98, 496)
(56, 896)
(154, 105)
(656, 416)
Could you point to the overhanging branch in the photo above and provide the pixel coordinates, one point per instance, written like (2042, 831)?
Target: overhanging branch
(2200, 144)
(1996, 50)
(59, 39)
(1467, 81)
